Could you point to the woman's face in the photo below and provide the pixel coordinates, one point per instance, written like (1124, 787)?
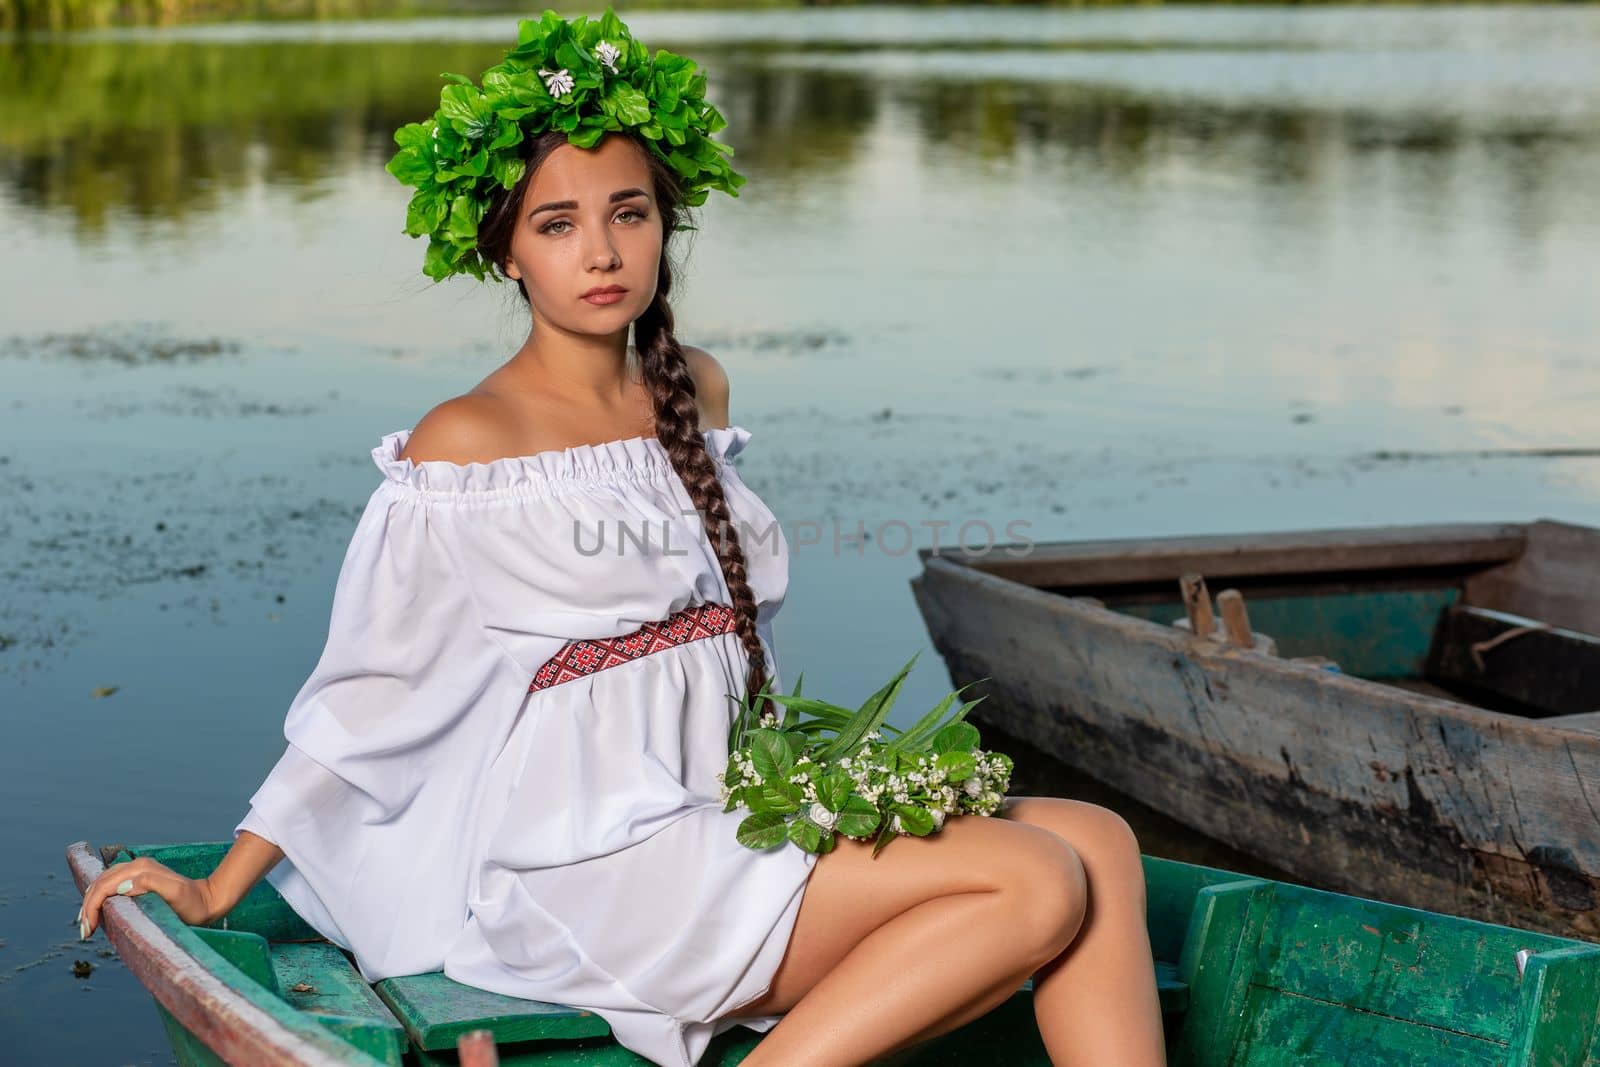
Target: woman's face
(588, 220)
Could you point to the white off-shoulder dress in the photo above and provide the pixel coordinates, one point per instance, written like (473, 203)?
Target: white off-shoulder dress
(504, 764)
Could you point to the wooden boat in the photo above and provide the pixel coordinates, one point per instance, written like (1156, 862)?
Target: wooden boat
(1407, 713)
(1251, 973)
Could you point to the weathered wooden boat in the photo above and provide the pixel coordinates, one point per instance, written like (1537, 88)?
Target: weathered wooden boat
(1406, 713)
(1251, 973)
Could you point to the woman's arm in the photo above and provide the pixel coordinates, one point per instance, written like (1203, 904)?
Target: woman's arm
(196, 901)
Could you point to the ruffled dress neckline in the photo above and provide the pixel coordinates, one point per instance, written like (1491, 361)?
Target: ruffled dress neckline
(628, 457)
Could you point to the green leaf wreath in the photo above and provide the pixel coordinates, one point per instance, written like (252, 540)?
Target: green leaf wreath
(823, 770)
(584, 78)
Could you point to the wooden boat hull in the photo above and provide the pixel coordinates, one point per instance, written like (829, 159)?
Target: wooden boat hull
(1354, 784)
(1250, 972)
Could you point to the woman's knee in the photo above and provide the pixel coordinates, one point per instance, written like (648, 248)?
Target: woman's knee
(1105, 841)
(1118, 848)
(1045, 894)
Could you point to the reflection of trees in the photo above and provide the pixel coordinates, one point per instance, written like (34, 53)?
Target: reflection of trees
(57, 14)
(168, 130)
(1131, 136)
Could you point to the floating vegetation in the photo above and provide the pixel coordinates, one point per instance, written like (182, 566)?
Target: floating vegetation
(129, 346)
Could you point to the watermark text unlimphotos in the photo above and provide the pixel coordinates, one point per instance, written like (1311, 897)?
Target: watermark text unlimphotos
(891, 537)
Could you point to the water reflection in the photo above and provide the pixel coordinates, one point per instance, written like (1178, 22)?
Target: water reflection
(169, 129)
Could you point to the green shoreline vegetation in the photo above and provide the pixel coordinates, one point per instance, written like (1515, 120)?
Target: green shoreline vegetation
(35, 15)
(27, 16)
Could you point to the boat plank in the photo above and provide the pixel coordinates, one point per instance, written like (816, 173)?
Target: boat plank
(1560, 1009)
(1435, 971)
(1292, 1031)
(317, 978)
(1218, 958)
(1229, 556)
(436, 1011)
(1555, 580)
(1587, 723)
(1541, 670)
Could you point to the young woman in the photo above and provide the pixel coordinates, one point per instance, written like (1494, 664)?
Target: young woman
(505, 763)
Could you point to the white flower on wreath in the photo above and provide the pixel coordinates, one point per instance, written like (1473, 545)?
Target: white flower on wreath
(823, 817)
(559, 82)
(973, 786)
(938, 819)
(608, 53)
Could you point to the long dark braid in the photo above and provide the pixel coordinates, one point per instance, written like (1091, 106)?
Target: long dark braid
(666, 376)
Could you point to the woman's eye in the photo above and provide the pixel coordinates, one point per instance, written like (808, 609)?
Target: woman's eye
(549, 227)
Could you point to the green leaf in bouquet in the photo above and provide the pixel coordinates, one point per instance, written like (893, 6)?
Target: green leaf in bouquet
(762, 831)
(870, 716)
(921, 732)
(858, 817)
(774, 798)
(885, 834)
(834, 789)
(806, 834)
(770, 752)
(735, 798)
(747, 714)
(813, 726)
(831, 714)
(916, 821)
(958, 736)
(957, 766)
(909, 738)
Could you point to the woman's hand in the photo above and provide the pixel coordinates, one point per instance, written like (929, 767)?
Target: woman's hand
(191, 898)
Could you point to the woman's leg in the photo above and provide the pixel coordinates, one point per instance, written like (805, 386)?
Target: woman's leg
(931, 932)
(1097, 1002)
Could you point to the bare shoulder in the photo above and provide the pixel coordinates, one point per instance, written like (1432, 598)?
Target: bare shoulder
(472, 428)
(710, 385)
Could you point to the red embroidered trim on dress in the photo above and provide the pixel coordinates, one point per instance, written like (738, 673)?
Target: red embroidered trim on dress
(579, 659)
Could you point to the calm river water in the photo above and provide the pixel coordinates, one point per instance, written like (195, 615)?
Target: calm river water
(1108, 273)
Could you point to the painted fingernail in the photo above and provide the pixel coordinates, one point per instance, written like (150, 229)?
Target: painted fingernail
(125, 886)
(80, 914)
(83, 929)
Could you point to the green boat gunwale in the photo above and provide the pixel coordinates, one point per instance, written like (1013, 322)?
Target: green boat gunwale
(238, 1019)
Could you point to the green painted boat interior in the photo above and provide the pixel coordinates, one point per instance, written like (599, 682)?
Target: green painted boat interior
(1250, 972)
(1383, 635)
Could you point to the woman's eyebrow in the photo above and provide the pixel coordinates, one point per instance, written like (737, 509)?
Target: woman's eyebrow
(572, 205)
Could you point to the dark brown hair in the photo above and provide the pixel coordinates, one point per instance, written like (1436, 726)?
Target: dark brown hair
(666, 375)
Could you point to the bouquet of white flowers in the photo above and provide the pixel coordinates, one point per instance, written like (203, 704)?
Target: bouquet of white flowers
(823, 769)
